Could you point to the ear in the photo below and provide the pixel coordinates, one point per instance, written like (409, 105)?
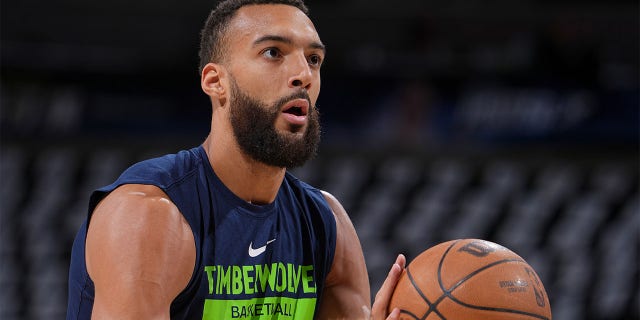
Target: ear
(211, 82)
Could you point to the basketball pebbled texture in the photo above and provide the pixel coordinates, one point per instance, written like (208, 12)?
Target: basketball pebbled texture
(470, 279)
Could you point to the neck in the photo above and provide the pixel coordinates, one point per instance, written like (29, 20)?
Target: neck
(247, 178)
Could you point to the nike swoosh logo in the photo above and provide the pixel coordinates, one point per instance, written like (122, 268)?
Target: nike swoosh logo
(258, 251)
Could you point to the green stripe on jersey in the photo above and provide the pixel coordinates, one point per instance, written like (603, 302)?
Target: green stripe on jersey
(260, 309)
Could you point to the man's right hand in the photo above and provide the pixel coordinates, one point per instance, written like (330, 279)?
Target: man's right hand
(381, 302)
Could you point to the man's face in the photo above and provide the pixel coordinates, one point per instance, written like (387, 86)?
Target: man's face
(253, 124)
(274, 60)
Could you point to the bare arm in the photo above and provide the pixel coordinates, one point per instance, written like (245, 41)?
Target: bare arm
(140, 254)
(347, 292)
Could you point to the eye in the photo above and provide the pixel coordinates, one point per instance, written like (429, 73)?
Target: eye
(271, 53)
(315, 60)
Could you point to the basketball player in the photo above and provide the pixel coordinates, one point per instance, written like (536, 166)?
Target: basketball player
(222, 231)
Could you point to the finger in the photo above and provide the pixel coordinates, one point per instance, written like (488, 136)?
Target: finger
(394, 315)
(389, 283)
(401, 260)
(386, 290)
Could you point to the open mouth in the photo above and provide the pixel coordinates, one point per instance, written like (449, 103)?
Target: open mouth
(298, 107)
(295, 112)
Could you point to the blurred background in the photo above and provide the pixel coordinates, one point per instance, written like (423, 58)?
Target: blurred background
(511, 121)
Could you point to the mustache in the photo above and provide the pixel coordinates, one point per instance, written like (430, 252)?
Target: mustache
(302, 94)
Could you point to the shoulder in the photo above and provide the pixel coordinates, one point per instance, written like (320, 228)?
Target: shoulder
(318, 195)
(136, 201)
(338, 210)
(164, 169)
(346, 238)
(347, 285)
(137, 235)
(139, 211)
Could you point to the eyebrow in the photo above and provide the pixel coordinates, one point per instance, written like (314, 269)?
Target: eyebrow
(286, 40)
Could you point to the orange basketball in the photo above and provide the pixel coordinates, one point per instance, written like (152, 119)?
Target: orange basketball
(470, 279)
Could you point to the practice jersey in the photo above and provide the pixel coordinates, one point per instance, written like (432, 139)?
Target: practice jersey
(252, 262)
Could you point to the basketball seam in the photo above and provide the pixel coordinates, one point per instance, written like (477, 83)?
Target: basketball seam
(456, 300)
(472, 274)
(537, 316)
(447, 292)
(444, 292)
(409, 313)
(417, 288)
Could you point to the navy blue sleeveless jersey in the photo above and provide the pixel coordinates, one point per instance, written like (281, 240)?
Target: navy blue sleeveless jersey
(252, 262)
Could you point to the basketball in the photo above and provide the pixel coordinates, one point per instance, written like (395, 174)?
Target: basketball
(470, 279)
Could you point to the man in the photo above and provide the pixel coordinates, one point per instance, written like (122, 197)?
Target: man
(222, 231)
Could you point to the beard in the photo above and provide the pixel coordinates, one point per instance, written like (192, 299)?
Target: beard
(253, 124)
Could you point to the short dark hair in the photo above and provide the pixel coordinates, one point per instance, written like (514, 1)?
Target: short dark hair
(212, 35)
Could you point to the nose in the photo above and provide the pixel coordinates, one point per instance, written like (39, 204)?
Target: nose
(302, 74)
